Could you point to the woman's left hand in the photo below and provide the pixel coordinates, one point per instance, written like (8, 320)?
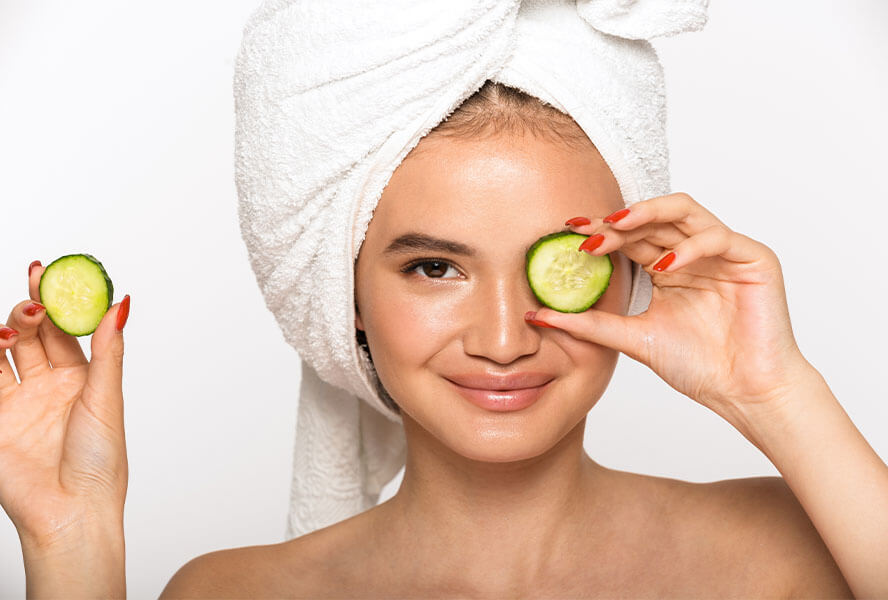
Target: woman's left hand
(717, 328)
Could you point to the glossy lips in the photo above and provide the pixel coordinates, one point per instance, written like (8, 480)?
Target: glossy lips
(501, 393)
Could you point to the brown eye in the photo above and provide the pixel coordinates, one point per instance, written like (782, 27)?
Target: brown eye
(434, 269)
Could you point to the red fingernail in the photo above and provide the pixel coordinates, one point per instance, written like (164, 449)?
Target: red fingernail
(36, 263)
(577, 221)
(665, 262)
(7, 332)
(591, 242)
(616, 216)
(540, 323)
(530, 317)
(32, 308)
(123, 312)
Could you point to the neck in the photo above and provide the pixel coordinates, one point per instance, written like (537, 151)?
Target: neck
(504, 524)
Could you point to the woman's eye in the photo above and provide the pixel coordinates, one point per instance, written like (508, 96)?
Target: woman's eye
(433, 269)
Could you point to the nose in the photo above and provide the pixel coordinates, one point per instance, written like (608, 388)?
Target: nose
(497, 330)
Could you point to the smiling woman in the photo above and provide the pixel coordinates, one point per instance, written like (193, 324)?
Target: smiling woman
(425, 264)
(444, 278)
(390, 186)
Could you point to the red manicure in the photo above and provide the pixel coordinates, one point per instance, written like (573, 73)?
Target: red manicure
(577, 221)
(529, 317)
(36, 263)
(665, 262)
(591, 243)
(32, 308)
(123, 312)
(616, 216)
(7, 332)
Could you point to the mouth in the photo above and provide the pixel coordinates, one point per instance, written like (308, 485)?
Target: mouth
(501, 383)
(502, 394)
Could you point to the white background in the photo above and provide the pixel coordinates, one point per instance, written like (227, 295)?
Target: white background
(116, 138)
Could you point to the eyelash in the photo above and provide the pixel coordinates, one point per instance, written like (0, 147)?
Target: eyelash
(411, 266)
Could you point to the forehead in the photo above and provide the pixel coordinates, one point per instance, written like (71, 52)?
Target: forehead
(503, 182)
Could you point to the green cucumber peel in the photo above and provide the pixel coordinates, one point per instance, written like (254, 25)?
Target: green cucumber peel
(564, 278)
(77, 292)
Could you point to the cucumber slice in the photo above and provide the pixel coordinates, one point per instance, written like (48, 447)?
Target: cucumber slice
(77, 292)
(564, 278)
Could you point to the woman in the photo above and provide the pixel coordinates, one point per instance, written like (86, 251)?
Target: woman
(497, 502)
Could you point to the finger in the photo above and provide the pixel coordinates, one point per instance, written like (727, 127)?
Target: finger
(104, 379)
(657, 235)
(715, 241)
(8, 337)
(686, 213)
(28, 353)
(625, 334)
(62, 349)
(642, 252)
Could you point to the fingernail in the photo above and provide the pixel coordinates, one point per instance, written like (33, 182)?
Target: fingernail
(36, 263)
(591, 242)
(613, 218)
(530, 317)
(665, 262)
(123, 312)
(539, 323)
(32, 308)
(7, 332)
(577, 221)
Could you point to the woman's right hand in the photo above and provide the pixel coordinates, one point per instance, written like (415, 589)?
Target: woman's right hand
(63, 460)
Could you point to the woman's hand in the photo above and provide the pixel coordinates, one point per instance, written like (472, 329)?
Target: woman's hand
(717, 328)
(62, 450)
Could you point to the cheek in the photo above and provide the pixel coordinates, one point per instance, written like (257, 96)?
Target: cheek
(410, 327)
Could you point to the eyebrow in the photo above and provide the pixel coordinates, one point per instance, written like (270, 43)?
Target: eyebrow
(415, 241)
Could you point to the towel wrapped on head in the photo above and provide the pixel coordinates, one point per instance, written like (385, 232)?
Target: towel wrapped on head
(331, 96)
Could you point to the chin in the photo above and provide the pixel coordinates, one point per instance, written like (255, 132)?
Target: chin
(498, 437)
(500, 449)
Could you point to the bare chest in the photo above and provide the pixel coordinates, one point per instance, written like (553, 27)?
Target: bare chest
(629, 570)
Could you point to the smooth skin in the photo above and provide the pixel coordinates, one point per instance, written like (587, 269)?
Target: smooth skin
(496, 505)
(63, 464)
(508, 505)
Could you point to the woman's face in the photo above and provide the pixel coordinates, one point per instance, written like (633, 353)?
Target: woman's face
(462, 312)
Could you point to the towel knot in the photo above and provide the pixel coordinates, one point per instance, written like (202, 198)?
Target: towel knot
(643, 19)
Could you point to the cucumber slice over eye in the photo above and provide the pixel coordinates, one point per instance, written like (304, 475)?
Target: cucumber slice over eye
(77, 292)
(564, 278)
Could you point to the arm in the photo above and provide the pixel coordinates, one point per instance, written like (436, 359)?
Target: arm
(718, 330)
(837, 477)
(89, 563)
(63, 464)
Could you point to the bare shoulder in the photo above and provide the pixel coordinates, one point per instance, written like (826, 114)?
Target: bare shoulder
(275, 570)
(232, 573)
(761, 517)
(319, 564)
(737, 538)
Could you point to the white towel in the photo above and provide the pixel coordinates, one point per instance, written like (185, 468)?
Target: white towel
(330, 97)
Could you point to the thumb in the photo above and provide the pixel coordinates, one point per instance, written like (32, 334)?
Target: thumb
(105, 376)
(625, 334)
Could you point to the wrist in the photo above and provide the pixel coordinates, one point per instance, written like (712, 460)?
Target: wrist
(771, 418)
(86, 560)
(71, 531)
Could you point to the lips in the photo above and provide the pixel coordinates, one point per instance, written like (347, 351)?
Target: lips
(512, 381)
